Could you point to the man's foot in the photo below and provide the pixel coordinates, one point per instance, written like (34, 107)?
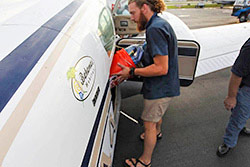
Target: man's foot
(142, 136)
(222, 150)
(245, 131)
(132, 162)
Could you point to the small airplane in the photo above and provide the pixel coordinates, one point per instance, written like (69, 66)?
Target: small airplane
(224, 2)
(57, 108)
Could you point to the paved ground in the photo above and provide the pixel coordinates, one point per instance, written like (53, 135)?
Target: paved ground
(207, 17)
(193, 126)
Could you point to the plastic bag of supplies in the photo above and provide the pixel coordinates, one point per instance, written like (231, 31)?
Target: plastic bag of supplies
(130, 57)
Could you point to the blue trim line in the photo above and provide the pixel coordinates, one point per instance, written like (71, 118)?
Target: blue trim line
(191, 52)
(16, 66)
(103, 135)
(89, 149)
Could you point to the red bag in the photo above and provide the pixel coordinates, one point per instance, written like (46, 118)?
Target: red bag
(122, 57)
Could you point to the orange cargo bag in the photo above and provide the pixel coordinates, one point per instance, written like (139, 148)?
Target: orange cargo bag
(122, 57)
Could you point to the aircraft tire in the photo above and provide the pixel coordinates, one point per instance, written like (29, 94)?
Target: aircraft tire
(242, 18)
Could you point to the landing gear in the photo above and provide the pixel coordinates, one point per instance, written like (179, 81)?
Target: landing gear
(242, 18)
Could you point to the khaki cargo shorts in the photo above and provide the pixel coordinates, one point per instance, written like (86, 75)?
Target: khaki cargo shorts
(154, 109)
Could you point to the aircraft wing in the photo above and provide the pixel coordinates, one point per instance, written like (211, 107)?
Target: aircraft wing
(219, 46)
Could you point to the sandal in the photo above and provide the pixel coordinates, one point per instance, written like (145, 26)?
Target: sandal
(136, 162)
(158, 136)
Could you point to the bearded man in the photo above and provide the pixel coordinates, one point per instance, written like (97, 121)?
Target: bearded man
(160, 72)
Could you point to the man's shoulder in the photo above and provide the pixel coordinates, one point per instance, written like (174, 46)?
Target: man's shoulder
(247, 43)
(158, 24)
(244, 56)
(245, 50)
(158, 21)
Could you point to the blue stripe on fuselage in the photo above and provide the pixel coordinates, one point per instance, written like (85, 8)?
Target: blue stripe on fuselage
(16, 66)
(87, 155)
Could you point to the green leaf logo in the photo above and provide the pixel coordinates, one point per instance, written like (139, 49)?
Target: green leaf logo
(71, 73)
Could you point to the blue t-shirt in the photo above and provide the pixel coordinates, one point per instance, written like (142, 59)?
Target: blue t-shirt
(241, 66)
(161, 40)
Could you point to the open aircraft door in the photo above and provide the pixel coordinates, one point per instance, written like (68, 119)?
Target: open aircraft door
(188, 54)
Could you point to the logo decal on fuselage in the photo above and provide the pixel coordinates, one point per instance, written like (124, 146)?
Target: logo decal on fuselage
(82, 77)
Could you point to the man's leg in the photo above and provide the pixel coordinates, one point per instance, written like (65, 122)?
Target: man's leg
(237, 121)
(240, 114)
(158, 127)
(149, 145)
(152, 114)
(149, 141)
(158, 131)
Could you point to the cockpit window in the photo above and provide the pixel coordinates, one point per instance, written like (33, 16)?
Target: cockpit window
(106, 30)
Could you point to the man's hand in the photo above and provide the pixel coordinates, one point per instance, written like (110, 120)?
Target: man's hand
(234, 84)
(121, 76)
(230, 102)
(124, 73)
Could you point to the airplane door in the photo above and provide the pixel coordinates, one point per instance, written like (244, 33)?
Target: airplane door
(188, 54)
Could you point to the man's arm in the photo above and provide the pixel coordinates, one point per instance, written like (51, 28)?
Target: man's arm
(234, 83)
(160, 67)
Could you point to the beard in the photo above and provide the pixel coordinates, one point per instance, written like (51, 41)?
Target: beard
(141, 25)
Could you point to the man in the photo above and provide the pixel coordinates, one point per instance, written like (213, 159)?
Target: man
(238, 100)
(160, 72)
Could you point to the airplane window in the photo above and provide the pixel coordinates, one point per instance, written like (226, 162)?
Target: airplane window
(106, 30)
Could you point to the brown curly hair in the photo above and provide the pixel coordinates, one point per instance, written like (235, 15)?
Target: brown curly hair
(155, 5)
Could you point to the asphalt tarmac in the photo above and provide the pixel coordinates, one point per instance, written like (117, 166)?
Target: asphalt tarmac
(192, 129)
(205, 17)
